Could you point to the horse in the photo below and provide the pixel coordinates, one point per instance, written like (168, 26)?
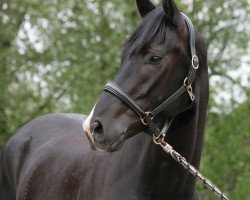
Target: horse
(110, 154)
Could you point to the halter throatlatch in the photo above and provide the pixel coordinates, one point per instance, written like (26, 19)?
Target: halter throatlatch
(147, 117)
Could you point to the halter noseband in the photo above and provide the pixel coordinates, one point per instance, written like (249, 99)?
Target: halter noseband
(147, 117)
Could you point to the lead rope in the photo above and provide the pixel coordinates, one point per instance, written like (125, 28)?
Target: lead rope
(191, 169)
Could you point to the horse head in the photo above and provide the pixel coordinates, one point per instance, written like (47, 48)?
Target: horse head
(154, 64)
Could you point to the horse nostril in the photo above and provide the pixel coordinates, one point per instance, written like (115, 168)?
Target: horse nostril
(97, 128)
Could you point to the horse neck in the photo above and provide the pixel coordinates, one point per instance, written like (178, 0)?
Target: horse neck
(160, 173)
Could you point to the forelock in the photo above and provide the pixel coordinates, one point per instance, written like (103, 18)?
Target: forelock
(152, 27)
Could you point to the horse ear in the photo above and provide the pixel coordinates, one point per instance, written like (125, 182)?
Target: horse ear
(144, 7)
(170, 9)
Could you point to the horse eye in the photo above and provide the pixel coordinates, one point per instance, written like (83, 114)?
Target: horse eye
(155, 60)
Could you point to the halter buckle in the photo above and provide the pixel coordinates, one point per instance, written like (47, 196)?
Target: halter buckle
(190, 92)
(142, 118)
(195, 62)
(160, 140)
(189, 89)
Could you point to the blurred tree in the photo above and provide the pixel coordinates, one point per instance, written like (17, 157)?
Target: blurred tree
(226, 155)
(57, 56)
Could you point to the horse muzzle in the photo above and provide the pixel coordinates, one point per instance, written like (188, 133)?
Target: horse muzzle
(98, 139)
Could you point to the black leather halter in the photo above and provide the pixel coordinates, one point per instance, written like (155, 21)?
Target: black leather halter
(147, 117)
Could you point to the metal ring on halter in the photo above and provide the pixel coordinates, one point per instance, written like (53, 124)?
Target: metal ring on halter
(185, 82)
(142, 118)
(195, 62)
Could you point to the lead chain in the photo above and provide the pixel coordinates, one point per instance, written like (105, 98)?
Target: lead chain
(182, 161)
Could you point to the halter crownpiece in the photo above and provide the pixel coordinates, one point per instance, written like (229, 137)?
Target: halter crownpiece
(148, 116)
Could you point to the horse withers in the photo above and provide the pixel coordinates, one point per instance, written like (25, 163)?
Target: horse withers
(50, 158)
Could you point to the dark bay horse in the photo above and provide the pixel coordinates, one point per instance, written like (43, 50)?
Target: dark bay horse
(50, 158)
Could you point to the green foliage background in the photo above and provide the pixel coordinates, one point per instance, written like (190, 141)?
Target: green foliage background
(56, 55)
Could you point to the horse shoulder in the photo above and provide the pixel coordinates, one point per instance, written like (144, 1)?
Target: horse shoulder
(54, 142)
